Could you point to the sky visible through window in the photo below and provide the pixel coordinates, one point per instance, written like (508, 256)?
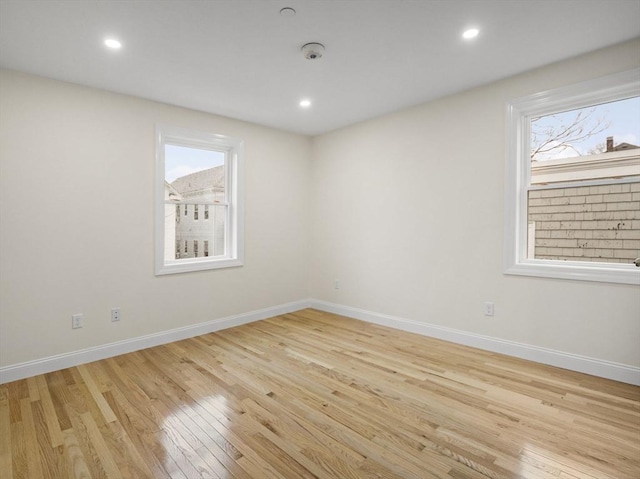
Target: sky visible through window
(180, 161)
(584, 131)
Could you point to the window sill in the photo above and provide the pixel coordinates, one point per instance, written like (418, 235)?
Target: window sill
(187, 266)
(603, 272)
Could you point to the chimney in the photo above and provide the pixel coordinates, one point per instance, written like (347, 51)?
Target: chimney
(609, 143)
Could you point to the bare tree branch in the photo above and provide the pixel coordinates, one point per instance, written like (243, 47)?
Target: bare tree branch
(565, 136)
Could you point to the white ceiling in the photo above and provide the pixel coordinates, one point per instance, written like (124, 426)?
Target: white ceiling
(242, 59)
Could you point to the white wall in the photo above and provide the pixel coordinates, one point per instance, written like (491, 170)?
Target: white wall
(408, 214)
(406, 210)
(76, 192)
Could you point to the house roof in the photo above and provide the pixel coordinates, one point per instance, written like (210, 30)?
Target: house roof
(171, 193)
(624, 146)
(200, 182)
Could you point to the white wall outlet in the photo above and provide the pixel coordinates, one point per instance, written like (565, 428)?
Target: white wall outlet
(77, 321)
(336, 284)
(115, 314)
(488, 308)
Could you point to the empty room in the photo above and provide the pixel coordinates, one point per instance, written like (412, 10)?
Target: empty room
(260, 239)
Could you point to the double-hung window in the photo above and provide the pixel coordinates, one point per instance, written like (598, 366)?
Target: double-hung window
(572, 202)
(198, 172)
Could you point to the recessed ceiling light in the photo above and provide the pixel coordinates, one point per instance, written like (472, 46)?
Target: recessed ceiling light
(471, 33)
(113, 43)
(288, 12)
(305, 103)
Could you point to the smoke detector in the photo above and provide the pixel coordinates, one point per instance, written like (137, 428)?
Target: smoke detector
(313, 51)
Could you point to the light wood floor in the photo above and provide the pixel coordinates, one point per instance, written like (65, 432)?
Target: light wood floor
(314, 395)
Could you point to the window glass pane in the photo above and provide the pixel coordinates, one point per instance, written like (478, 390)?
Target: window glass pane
(596, 129)
(194, 179)
(180, 161)
(578, 221)
(210, 233)
(585, 223)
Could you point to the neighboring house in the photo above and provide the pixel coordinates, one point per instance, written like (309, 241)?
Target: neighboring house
(592, 222)
(170, 194)
(195, 224)
(620, 146)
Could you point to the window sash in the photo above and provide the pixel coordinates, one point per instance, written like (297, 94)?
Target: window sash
(227, 238)
(578, 183)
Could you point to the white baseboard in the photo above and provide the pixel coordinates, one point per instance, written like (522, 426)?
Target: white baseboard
(573, 362)
(583, 364)
(67, 360)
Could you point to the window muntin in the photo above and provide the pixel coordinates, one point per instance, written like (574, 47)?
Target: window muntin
(197, 172)
(572, 206)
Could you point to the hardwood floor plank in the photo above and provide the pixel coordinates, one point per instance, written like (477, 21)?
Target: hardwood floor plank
(6, 463)
(50, 416)
(319, 396)
(96, 394)
(52, 458)
(18, 452)
(81, 434)
(59, 394)
(104, 454)
(18, 390)
(34, 464)
(76, 464)
(34, 390)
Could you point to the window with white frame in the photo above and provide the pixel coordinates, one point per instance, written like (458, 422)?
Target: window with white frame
(198, 171)
(572, 201)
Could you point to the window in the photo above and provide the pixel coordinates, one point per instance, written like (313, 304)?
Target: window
(204, 172)
(572, 201)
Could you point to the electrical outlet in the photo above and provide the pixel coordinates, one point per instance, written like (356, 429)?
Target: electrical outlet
(115, 314)
(336, 284)
(488, 308)
(77, 321)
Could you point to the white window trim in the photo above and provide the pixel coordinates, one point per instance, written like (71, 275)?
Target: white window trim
(517, 175)
(234, 150)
